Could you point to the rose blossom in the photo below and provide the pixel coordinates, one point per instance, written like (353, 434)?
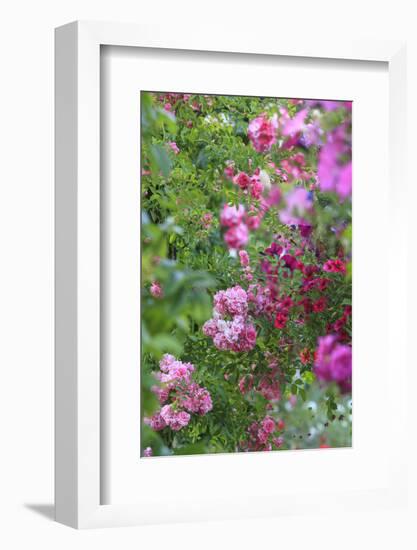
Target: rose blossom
(334, 362)
(174, 147)
(268, 424)
(242, 180)
(148, 451)
(156, 290)
(232, 215)
(263, 132)
(237, 236)
(244, 258)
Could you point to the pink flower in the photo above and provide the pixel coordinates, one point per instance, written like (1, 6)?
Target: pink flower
(344, 182)
(237, 335)
(157, 422)
(232, 215)
(268, 424)
(244, 258)
(256, 187)
(269, 387)
(294, 125)
(175, 419)
(298, 203)
(263, 132)
(156, 290)
(278, 441)
(148, 451)
(229, 171)
(319, 305)
(232, 301)
(253, 221)
(335, 266)
(333, 174)
(246, 384)
(280, 320)
(237, 237)
(196, 399)
(182, 394)
(174, 147)
(207, 220)
(334, 362)
(242, 180)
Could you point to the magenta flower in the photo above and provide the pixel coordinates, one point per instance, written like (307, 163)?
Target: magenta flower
(232, 215)
(232, 301)
(263, 132)
(148, 451)
(334, 362)
(157, 422)
(268, 424)
(156, 290)
(333, 174)
(175, 419)
(237, 237)
(242, 180)
(207, 220)
(334, 266)
(256, 187)
(298, 203)
(244, 258)
(174, 147)
(294, 125)
(196, 399)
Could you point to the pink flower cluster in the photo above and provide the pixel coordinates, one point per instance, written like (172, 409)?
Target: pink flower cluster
(230, 328)
(263, 435)
(195, 399)
(292, 168)
(178, 395)
(334, 174)
(239, 222)
(299, 203)
(263, 132)
(333, 362)
(335, 266)
(232, 301)
(235, 335)
(251, 184)
(237, 235)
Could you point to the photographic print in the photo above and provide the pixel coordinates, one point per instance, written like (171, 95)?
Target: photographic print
(246, 274)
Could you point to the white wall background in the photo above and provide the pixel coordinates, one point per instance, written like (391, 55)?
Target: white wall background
(26, 269)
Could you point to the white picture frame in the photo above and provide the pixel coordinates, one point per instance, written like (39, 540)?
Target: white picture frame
(77, 242)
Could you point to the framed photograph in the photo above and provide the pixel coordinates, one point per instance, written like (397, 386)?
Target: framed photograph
(222, 210)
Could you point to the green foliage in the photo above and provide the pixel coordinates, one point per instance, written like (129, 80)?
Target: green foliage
(190, 262)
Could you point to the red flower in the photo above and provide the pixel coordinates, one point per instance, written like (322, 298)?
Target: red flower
(242, 180)
(280, 320)
(305, 356)
(334, 266)
(280, 425)
(320, 304)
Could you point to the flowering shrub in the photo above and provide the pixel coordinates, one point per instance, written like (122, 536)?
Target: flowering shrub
(246, 274)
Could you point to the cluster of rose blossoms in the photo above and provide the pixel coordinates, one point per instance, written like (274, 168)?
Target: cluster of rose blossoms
(263, 435)
(333, 362)
(230, 327)
(268, 384)
(333, 171)
(238, 222)
(178, 395)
